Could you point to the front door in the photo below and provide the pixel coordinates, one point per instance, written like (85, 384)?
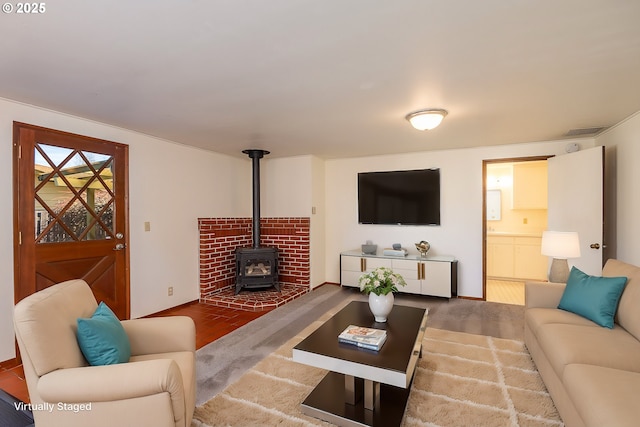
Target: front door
(71, 214)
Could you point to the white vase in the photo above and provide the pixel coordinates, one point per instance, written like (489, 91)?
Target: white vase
(381, 306)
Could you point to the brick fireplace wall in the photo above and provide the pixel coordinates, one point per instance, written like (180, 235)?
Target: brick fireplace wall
(219, 237)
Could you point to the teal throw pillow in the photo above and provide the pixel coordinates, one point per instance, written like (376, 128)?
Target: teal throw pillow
(593, 297)
(102, 338)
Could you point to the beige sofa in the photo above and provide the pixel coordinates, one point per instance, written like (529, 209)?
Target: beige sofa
(591, 372)
(156, 388)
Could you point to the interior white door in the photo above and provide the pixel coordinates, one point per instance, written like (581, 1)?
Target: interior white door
(576, 203)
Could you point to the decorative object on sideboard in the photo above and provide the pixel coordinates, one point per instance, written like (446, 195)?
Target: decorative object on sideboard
(423, 247)
(369, 248)
(560, 245)
(380, 284)
(395, 252)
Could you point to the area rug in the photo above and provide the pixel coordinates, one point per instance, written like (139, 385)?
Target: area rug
(461, 380)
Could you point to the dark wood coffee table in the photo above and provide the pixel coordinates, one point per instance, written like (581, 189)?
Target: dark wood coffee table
(363, 387)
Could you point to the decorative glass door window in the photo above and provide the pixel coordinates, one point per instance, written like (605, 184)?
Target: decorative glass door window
(74, 196)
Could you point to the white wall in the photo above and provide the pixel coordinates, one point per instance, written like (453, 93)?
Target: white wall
(622, 190)
(291, 186)
(460, 233)
(171, 185)
(285, 186)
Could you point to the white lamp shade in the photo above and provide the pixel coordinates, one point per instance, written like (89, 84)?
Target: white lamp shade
(426, 119)
(560, 244)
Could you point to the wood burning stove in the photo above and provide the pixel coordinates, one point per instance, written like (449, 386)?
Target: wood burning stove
(256, 266)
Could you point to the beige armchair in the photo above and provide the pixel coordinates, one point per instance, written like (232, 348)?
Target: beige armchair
(155, 388)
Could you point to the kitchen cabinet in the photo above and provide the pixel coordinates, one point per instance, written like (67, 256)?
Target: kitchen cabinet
(500, 256)
(528, 261)
(530, 185)
(516, 257)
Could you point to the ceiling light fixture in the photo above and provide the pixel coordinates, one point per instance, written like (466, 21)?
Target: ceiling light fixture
(426, 119)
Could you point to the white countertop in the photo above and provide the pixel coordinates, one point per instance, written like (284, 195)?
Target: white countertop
(379, 254)
(512, 234)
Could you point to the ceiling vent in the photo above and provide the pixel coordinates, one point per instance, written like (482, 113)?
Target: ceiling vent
(585, 131)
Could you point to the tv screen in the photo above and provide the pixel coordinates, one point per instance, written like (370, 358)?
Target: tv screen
(400, 197)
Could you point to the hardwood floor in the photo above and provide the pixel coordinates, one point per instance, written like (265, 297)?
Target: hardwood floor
(211, 323)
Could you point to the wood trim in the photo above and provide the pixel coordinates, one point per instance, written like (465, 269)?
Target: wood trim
(471, 298)
(324, 284)
(518, 159)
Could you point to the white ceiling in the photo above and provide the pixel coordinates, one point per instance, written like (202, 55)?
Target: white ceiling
(332, 78)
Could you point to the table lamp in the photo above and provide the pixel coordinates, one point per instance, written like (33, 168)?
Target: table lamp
(560, 245)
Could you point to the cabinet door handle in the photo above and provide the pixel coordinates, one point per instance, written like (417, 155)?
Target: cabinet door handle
(363, 264)
(423, 271)
(419, 271)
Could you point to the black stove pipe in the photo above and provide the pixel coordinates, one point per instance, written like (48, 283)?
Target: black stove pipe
(255, 156)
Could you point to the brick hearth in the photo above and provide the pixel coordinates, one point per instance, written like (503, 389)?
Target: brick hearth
(256, 300)
(219, 237)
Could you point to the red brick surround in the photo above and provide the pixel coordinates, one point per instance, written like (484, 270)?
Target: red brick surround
(219, 237)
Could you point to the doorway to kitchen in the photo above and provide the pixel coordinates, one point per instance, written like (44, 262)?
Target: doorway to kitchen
(514, 217)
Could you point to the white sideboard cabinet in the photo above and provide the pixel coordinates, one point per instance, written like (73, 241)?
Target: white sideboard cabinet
(434, 276)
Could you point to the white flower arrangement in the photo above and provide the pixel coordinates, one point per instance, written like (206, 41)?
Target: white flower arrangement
(380, 281)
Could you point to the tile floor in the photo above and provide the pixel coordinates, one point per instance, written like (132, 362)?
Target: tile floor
(505, 291)
(220, 316)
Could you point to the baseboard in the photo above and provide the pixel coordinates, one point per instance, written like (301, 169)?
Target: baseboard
(325, 283)
(471, 298)
(8, 364)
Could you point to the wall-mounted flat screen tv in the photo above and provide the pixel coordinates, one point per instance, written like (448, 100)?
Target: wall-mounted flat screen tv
(409, 197)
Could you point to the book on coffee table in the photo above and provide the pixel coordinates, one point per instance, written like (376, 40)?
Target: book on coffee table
(368, 338)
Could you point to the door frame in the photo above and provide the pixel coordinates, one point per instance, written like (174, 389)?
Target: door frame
(17, 232)
(484, 207)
